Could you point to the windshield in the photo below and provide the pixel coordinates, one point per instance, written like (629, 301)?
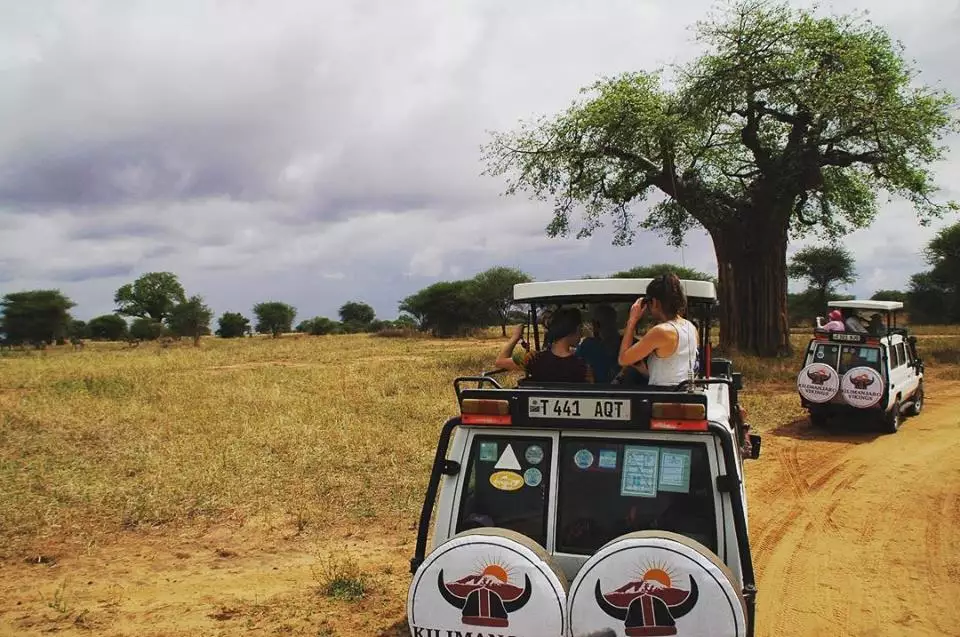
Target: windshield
(508, 479)
(608, 488)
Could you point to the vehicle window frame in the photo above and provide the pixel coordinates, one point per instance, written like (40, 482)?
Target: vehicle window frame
(500, 434)
(817, 348)
(626, 438)
(901, 354)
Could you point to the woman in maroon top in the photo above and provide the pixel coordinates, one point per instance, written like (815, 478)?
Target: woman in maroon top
(559, 362)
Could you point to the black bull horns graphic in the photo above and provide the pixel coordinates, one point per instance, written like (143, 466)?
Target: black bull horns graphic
(485, 605)
(656, 612)
(818, 376)
(862, 381)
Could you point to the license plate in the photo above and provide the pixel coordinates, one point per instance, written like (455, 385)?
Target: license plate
(579, 408)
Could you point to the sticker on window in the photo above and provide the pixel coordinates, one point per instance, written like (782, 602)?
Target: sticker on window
(532, 477)
(583, 459)
(608, 459)
(508, 460)
(675, 470)
(534, 454)
(640, 471)
(488, 451)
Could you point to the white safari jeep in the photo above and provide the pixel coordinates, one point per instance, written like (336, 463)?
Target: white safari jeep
(875, 374)
(576, 510)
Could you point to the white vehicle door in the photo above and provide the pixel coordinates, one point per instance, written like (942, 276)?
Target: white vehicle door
(903, 379)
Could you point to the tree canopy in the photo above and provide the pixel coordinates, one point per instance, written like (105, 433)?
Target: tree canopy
(108, 327)
(654, 270)
(357, 312)
(446, 308)
(232, 325)
(934, 295)
(153, 295)
(274, 317)
(190, 318)
(822, 267)
(35, 317)
(787, 123)
(494, 290)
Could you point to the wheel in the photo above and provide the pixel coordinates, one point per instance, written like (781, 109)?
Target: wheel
(917, 401)
(892, 419)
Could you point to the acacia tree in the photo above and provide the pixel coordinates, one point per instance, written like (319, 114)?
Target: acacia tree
(37, 317)
(494, 290)
(153, 295)
(274, 317)
(788, 124)
(822, 267)
(190, 318)
(934, 295)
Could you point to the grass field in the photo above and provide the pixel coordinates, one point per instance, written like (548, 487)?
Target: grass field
(297, 435)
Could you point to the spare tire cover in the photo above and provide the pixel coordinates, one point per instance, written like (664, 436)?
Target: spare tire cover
(862, 387)
(818, 383)
(487, 581)
(655, 583)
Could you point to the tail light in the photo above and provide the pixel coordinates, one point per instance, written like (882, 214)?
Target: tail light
(478, 411)
(678, 417)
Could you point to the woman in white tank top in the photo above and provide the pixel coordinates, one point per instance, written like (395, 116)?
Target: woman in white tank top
(672, 342)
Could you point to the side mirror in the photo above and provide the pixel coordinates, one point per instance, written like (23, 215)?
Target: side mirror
(754, 446)
(737, 381)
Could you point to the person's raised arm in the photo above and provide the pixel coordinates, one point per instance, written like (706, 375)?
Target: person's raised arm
(505, 358)
(632, 353)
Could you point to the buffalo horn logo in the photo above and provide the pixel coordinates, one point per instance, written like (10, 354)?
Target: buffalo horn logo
(862, 381)
(487, 598)
(651, 606)
(818, 376)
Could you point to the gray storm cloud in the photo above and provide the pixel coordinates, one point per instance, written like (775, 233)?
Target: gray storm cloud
(319, 149)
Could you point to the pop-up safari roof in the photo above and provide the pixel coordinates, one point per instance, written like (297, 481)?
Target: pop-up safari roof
(604, 291)
(871, 306)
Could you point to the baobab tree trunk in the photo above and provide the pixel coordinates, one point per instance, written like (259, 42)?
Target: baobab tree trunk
(752, 264)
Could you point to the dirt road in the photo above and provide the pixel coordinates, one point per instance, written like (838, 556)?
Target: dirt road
(854, 534)
(859, 534)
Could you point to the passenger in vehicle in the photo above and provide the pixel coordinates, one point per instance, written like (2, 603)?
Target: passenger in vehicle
(876, 326)
(853, 323)
(558, 363)
(835, 324)
(601, 349)
(672, 341)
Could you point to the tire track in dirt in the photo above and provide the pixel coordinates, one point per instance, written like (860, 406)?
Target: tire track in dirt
(869, 545)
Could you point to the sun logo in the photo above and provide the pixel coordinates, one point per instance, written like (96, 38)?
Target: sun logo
(486, 596)
(650, 604)
(658, 572)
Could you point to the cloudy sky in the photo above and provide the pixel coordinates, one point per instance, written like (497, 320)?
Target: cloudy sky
(317, 152)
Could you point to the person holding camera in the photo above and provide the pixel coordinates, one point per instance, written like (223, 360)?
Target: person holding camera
(558, 363)
(672, 341)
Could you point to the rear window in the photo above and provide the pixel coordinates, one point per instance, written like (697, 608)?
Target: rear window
(608, 488)
(826, 353)
(855, 356)
(508, 479)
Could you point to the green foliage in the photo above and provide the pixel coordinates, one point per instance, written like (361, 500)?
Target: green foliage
(319, 326)
(153, 295)
(36, 317)
(823, 266)
(274, 317)
(934, 295)
(232, 325)
(787, 123)
(803, 308)
(147, 329)
(889, 295)
(494, 290)
(190, 318)
(656, 269)
(357, 313)
(78, 329)
(446, 308)
(108, 327)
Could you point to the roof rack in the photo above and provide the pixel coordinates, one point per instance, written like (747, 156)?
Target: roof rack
(605, 290)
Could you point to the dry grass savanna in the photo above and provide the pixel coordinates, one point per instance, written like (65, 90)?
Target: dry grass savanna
(271, 486)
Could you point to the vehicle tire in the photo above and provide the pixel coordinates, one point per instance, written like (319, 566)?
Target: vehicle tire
(917, 405)
(685, 589)
(487, 579)
(892, 419)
